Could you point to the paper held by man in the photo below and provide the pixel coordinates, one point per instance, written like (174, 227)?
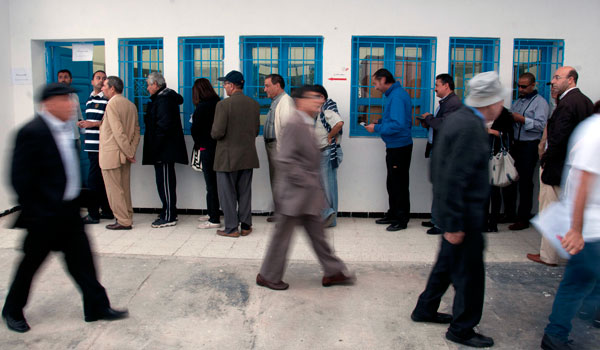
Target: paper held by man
(554, 221)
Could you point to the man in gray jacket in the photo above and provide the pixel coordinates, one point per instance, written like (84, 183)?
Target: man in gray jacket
(236, 125)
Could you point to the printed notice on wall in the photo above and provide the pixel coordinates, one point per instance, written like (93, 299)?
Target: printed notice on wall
(83, 52)
(21, 76)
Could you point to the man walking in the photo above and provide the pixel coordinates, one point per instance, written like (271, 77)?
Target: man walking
(236, 125)
(460, 189)
(300, 197)
(119, 138)
(164, 144)
(395, 130)
(45, 175)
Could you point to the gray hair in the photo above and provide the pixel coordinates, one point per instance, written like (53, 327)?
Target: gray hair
(158, 78)
(115, 82)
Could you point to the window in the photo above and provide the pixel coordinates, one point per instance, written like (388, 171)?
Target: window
(299, 60)
(412, 62)
(137, 59)
(198, 58)
(539, 57)
(471, 56)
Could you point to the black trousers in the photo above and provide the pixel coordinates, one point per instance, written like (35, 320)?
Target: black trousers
(525, 154)
(495, 200)
(64, 233)
(462, 266)
(207, 157)
(97, 199)
(397, 161)
(166, 184)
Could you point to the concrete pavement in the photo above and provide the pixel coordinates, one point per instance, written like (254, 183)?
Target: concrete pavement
(191, 289)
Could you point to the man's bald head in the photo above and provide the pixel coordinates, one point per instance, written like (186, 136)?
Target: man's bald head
(564, 79)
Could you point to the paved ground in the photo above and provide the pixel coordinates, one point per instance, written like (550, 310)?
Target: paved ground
(190, 289)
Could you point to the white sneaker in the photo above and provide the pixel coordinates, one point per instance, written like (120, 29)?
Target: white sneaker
(204, 218)
(208, 224)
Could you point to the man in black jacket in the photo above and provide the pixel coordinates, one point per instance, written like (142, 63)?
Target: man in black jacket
(45, 175)
(573, 107)
(164, 144)
(449, 102)
(460, 179)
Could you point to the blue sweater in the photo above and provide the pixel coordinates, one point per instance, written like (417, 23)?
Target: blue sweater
(395, 126)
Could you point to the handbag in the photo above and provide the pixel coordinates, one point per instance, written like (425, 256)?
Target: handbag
(195, 162)
(502, 167)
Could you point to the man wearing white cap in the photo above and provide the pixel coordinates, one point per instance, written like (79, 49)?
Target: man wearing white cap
(460, 188)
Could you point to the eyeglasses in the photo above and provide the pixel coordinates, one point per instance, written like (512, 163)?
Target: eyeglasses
(557, 77)
(523, 86)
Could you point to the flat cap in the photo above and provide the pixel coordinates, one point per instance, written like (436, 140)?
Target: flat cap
(55, 89)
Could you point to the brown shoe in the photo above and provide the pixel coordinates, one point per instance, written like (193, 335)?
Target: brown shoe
(117, 226)
(340, 278)
(234, 234)
(246, 232)
(518, 226)
(536, 258)
(275, 286)
(271, 219)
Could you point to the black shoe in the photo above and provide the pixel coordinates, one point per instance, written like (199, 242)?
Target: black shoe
(507, 219)
(108, 314)
(384, 221)
(427, 224)
(476, 341)
(434, 231)
(17, 325)
(396, 227)
(550, 342)
(88, 220)
(492, 228)
(438, 318)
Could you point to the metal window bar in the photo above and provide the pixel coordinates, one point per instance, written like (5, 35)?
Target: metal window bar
(541, 57)
(471, 56)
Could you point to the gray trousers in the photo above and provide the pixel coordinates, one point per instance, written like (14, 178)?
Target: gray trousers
(271, 149)
(235, 196)
(273, 266)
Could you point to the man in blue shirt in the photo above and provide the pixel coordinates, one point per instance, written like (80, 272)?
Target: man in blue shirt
(395, 130)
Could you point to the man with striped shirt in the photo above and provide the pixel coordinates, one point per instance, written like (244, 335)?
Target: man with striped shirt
(94, 112)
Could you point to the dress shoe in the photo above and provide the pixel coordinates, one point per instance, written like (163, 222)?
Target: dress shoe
(17, 325)
(476, 341)
(233, 234)
(536, 258)
(271, 285)
(88, 220)
(271, 219)
(427, 224)
(438, 318)
(518, 226)
(246, 232)
(384, 221)
(117, 226)
(550, 342)
(434, 231)
(396, 227)
(491, 228)
(108, 314)
(505, 219)
(338, 279)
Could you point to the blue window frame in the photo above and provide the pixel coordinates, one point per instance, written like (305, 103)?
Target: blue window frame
(539, 57)
(471, 56)
(137, 59)
(299, 60)
(199, 57)
(412, 62)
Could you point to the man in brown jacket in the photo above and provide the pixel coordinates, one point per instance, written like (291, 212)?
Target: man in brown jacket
(119, 138)
(236, 125)
(299, 196)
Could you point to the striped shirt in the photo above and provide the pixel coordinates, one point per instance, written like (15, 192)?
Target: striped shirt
(94, 111)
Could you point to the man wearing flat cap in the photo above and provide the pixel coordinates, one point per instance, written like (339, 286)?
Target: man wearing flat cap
(236, 126)
(46, 178)
(460, 188)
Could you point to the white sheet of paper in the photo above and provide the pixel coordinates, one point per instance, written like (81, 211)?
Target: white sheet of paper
(83, 52)
(21, 76)
(552, 221)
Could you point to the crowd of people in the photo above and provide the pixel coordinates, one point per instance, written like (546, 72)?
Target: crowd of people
(302, 137)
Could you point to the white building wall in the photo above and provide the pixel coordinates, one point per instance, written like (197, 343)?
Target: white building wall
(362, 174)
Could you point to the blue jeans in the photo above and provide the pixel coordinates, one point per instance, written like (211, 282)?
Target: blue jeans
(329, 183)
(581, 274)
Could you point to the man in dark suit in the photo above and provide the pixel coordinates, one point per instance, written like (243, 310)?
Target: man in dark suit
(460, 188)
(573, 107)
(299, 195)
(45, 176)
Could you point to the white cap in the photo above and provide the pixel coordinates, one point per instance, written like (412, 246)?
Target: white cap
(484, 89)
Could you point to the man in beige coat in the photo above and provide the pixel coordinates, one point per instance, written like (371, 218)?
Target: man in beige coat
(119, 138)
(236, 125)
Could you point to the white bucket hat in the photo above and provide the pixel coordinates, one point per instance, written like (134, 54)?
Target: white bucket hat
(485, 89)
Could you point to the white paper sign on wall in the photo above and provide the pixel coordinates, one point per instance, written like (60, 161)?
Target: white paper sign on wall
(83, 52)
(21, 76)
